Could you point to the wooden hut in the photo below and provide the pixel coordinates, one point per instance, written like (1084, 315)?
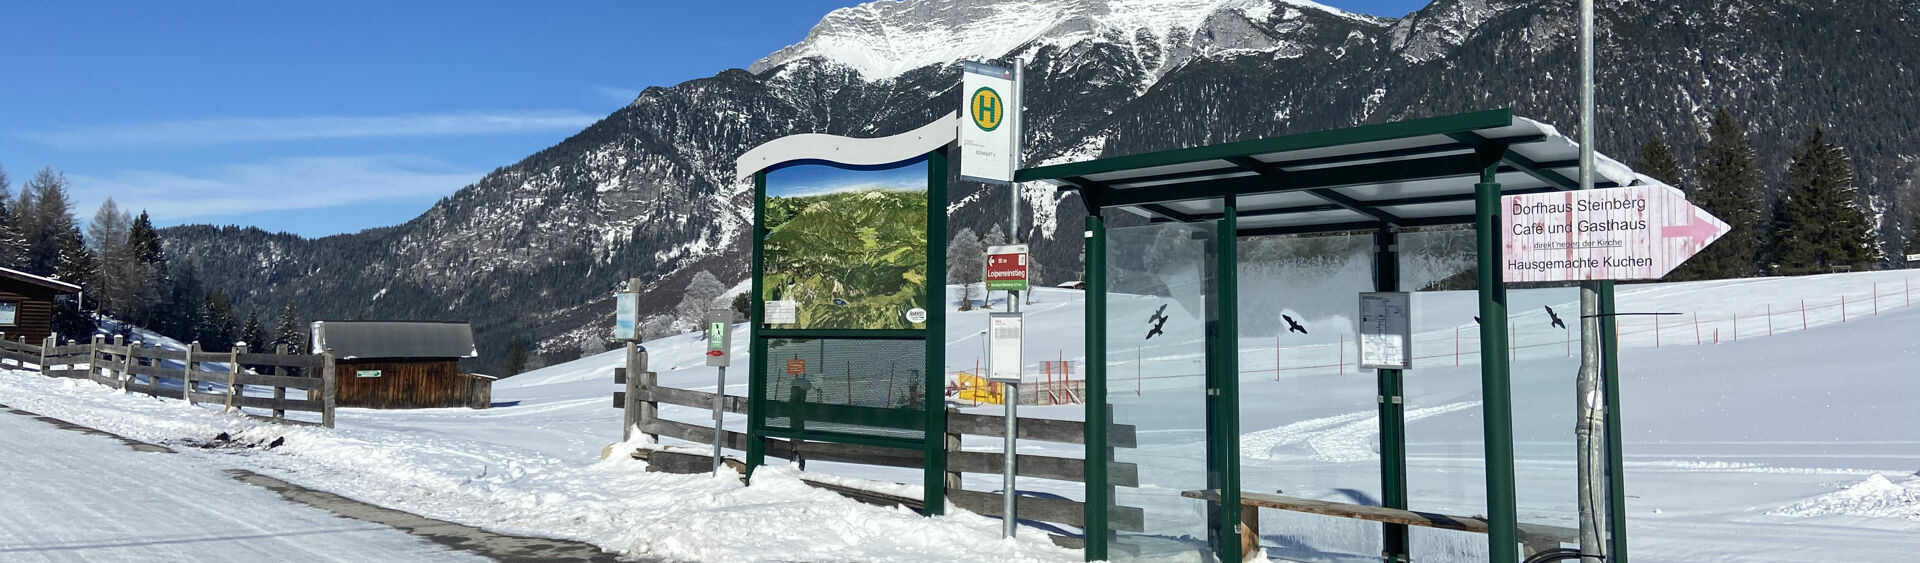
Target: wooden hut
(402, 364)
(26, 305)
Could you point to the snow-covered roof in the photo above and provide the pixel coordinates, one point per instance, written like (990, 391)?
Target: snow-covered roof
(49, 283)
(1411, 173)
(394, 339)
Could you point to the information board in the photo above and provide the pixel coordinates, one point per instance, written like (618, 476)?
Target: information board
(1386, 330)
(1004, 338)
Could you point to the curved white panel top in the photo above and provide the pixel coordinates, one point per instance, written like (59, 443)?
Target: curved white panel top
(848, 150)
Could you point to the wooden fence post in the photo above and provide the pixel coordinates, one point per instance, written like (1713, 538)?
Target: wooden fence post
(636, 365)
(186, 372)
(233, 372)
(44, 345)
(120, 371)
(953, 445)
(279, 393)
(126, 366)
(93, 357)
(326, 388)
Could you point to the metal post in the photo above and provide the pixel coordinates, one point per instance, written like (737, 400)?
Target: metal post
(1012, 397)
(1098, 532)
(1495, 380)
(1587, 405)
(1397, 543)
(719, 419)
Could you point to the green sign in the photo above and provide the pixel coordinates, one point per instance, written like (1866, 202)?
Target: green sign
(367, 373)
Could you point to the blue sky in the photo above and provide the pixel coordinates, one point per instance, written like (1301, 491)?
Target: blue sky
(335, 117)
(820, 179)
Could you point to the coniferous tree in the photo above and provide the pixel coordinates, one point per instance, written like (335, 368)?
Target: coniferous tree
(215, 332)
(1657, 161)
(107, 237)
(1729, 188)
(1821, 223)
(252, 333)
(51, 217)
(76, 267)
(13, 243)
(289, 331)
(152, 287)
(516, 357)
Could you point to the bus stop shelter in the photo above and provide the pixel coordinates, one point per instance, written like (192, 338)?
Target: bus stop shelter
(1187, 210)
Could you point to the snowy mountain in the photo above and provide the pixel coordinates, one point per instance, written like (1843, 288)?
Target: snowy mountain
(535, 249)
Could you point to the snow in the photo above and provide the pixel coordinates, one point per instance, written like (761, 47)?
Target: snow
(1794, 446)
(882, 40)
(72, 497)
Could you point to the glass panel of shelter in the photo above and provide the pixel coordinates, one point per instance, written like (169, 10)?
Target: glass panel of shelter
(1308, 413)
(1161, 300)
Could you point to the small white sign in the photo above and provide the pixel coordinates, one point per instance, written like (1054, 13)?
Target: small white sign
(1913, 257)
(782, 312)
(989, 118)
(1386, 330)
(1003, 346)
(916, 315)
(626, 315)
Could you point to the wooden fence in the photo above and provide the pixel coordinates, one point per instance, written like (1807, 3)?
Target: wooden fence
(1059, 511)
(143, 368)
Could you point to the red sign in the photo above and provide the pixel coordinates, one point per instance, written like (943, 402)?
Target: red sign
(796, 366)
(1007, 268)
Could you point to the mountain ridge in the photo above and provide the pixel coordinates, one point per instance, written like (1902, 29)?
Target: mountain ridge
(535, 248)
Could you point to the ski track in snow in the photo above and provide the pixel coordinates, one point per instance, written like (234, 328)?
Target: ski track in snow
(1334, 439)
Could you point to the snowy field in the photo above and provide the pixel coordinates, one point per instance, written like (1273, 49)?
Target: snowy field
(1799, 445)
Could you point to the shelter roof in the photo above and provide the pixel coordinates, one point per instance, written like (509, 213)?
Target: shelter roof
(394, 339)
(1411, 173)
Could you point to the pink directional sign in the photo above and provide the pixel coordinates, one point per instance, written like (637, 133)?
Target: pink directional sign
(1631, 233)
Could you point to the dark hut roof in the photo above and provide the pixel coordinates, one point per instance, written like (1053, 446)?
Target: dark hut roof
(56, 285)
(394, 339)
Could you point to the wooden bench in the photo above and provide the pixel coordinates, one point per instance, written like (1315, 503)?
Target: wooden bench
(1535, 537)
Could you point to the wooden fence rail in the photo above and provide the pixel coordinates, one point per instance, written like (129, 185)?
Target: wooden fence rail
(143, 368)
(1059, 511)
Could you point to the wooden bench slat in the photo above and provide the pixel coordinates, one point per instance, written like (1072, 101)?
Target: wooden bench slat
(1388, 515)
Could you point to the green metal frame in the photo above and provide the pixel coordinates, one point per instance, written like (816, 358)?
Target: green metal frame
(1610, 395)
(1396, 543)
(932, 422)
(1464, 152)
(1496, 387)
(1098, 531)
(1223, 386)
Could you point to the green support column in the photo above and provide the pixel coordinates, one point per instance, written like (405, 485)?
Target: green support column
(1223, 405)
(1098, 534)
(1496, 387)
(756, 346)
(934, 472)
(1396, 544)
(1610, 384)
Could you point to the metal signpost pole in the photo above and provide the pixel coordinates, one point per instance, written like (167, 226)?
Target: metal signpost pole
(719, 354)
(1012, 397)
(1588, 405)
